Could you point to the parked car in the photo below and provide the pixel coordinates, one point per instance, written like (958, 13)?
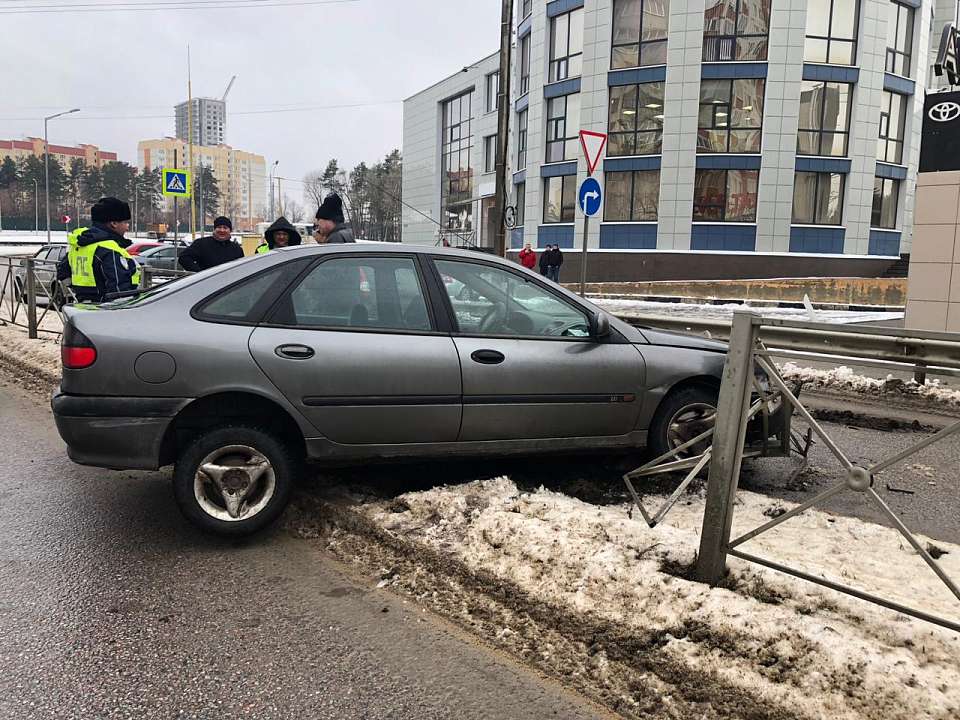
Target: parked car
(162, 256)
(46, 275)
(139, 246)
(352, 353)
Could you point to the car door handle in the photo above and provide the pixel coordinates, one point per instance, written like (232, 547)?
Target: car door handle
(487, 357)
(295, 352)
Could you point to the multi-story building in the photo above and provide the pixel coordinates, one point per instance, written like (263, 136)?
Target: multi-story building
(91, 155)
(209, 117)
(241, 176)
(746, 138)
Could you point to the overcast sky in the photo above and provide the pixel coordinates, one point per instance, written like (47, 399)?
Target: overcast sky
(126, 71)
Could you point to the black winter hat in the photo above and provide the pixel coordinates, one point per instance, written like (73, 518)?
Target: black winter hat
(331, 209)
(225, 221)
(109, 209)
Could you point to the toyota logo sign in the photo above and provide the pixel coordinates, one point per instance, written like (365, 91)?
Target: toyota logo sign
(944, 112)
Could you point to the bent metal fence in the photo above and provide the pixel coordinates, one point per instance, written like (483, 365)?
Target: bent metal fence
(754, 340)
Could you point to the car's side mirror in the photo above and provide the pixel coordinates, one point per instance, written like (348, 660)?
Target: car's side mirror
(599, 326)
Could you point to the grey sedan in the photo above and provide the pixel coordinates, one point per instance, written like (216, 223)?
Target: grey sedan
(347, 353)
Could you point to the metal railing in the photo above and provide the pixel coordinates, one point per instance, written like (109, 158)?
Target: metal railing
(29, 291)
(752, 339)
(149, 276)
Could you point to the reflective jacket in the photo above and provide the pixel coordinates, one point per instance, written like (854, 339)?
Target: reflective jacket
(102, 265)
(67, 262)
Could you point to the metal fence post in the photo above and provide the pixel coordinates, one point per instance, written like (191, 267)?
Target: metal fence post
(145, 278)
(728, 438)
(31, 292)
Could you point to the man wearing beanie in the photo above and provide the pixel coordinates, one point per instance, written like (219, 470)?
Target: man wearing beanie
(213, 250)
(329, 226)
(101, 264)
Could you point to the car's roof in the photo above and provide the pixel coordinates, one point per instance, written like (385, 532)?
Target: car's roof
(405, 248)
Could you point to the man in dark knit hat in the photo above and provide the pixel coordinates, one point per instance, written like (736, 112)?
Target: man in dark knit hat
(100, 264)
(213, 250)
(329, 226)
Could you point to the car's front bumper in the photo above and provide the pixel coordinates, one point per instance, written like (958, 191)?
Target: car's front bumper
(113, 432)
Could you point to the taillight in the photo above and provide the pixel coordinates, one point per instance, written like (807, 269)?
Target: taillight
(76, 350)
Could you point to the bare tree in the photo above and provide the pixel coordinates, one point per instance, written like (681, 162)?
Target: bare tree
(295, 212)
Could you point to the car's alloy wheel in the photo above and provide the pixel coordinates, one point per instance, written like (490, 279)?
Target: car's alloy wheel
(234, 480)
(683, 415)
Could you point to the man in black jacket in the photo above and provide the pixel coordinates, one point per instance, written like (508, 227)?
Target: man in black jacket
(210, 251)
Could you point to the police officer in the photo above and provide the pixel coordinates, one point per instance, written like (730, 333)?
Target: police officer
(101, 264)
(68, 261)
(279, 235)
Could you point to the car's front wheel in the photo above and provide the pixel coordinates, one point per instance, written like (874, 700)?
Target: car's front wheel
(234, 480)
(683, 415)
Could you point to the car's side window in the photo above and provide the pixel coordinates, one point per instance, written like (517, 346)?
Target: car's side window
(238, 302)
(490, 301)
(382, 293)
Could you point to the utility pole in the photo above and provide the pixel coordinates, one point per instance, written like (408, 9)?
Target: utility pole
(272, 169)
(46, 164)
(203, 214)
(36, 208)
(503, 127)
(193, 169)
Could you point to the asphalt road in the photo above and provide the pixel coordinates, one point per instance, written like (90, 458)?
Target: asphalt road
(111, 606)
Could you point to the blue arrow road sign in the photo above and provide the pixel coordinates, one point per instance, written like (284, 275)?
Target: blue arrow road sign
(590, 196)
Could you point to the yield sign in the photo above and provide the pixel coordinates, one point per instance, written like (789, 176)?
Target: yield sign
(592, 144)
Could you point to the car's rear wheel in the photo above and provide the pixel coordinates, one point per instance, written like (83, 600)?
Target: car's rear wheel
(234, 480)
(683, 415)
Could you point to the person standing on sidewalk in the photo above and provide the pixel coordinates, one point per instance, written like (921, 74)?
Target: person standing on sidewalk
(210, 251)
(545, 262)
(556, 260)
(528, 258)
(102, 266)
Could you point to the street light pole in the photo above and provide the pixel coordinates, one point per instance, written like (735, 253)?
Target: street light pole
(272, 169)
(46, 164)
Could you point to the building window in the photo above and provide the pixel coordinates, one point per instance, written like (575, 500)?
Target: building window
(456, 192)
(832, 31)
(525, 64)
(559, 199)
(899, 39)
(893, 114)
(731, 116)
(725, 195)
(489, 153)
(639, 33)
(631, 196)
(885, 194)
(566, 45)
(735, 30)
(521, 203)
(824, 124)
(493, 91)
(521, 140)
(563, 119)
(818, 198)
(526, 7)
(635, 119)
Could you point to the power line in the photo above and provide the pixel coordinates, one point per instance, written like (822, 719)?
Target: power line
(166, 6)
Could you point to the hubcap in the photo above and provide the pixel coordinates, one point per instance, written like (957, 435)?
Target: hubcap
(234, 483)
(688, 422)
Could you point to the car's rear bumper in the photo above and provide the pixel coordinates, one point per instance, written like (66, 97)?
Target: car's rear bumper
(113, 432)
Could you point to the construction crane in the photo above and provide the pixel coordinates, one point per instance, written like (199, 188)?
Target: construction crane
(227, 91)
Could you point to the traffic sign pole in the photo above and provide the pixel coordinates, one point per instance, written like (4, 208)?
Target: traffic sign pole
(583, 258)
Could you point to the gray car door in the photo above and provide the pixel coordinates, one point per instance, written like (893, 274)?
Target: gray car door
(530, 369)
(354, 346)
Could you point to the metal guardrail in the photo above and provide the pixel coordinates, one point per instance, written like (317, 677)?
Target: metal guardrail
(150, 275)
(751, 338)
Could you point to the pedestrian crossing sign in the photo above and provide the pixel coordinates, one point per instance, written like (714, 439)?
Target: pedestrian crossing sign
(176, 183)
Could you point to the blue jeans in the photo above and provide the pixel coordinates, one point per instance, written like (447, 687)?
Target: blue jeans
(553, 273)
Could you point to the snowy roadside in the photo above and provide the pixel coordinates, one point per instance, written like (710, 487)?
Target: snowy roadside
(625, 629)
(709, 311)
(35, 363)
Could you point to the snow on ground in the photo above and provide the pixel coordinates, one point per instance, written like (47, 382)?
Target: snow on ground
(843, 378)
(789, 642)
(706, 311)
(42, 354)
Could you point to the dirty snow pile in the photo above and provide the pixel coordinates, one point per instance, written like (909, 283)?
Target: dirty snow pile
(708, 311)
(787, 642)
(42, 354)
(843, 378)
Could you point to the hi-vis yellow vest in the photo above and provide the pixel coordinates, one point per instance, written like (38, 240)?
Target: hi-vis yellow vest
(82, 267)
(72, 240)
(263, 248)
